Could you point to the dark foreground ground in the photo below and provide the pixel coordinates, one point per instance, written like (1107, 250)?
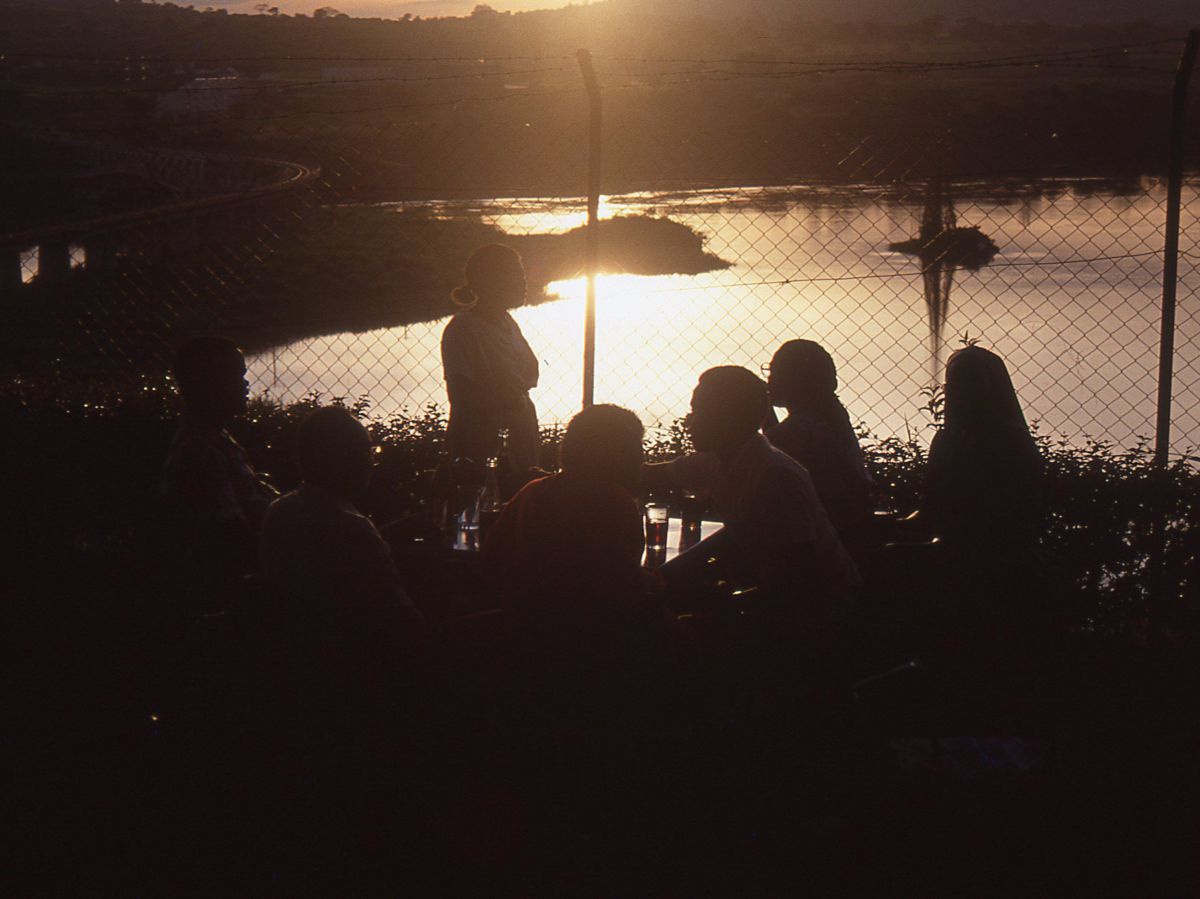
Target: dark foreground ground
(177, 758)
(160, 755)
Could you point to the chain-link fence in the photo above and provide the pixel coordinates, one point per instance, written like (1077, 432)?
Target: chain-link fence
(320, 211)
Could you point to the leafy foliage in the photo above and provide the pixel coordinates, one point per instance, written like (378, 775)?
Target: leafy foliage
(92, 463)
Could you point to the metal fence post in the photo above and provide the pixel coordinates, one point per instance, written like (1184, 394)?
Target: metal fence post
(592, 240)
(1166, 351)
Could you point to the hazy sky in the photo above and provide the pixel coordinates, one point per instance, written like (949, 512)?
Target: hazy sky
(389, 9)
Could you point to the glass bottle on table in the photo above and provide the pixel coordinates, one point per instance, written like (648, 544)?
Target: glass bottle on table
(490, 502)
(442, 492)
(504, 467)
(466, 503)
(690, 514)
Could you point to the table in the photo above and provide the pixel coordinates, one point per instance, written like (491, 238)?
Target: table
(465, 543)
(674, 531)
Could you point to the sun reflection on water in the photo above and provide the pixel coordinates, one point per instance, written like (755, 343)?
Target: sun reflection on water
(806, 268)
(643, 358)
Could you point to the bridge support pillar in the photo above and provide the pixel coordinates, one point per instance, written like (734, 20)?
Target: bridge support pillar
(10, 271)
(101, 253)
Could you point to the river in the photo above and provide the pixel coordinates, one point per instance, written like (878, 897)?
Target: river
(1071, 301)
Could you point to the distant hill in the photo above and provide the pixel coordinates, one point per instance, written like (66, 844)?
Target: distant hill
(1056, 11)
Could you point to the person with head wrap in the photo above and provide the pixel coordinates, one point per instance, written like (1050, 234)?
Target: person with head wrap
(488, 365)
(982, 492)
(986, 597)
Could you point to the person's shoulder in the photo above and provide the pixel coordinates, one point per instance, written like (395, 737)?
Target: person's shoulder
(461, 325)
(780, 471)
(195, 456)
(695, 467)
(785, 434)
(191, 440)
(360, 526)
(608, 493)
(285, 503)
(590, 497)
(282, 511)
(531, 491)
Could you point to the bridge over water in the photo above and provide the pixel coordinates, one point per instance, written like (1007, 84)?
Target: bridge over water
(199, 193)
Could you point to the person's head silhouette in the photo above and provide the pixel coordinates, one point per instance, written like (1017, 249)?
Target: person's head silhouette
(211, 375)
(728, 405)
(979, 391)
(604, 443)
(335, 452)
(495, 280)
(802, 375)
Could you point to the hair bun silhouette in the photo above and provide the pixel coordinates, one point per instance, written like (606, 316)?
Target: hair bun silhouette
(464, 296)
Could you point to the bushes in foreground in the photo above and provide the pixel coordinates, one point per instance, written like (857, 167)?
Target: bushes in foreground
(1118, 526)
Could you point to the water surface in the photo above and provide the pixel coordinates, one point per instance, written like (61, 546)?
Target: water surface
(1071, 301)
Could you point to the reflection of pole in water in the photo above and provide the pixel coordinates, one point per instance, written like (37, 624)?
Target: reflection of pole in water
(941, 247)
(937, 279)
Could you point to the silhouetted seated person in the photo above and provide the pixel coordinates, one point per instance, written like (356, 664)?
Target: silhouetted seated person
(775, 525)
(817, 433)
(983, 482)
(569, 546)
(214, 499)
(336, 584)
(341, 651)
(982, 501)
(590, 660)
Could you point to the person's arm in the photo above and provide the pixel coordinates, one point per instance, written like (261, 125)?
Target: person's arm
(695, 472)
(210, 521)
(791, 550)
(657, 477)
(382, 593)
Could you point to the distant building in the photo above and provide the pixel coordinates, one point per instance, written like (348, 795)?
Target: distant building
(202, 97)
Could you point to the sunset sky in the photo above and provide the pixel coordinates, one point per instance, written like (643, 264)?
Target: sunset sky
(389, 9)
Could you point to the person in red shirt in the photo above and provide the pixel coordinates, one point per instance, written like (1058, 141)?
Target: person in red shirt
(571, 543)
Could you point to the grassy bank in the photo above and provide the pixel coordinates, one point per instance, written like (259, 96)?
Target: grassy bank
(373, 267)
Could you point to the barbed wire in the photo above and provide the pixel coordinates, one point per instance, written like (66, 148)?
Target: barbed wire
(290, 85)
(128, 58)
(386, 107)
(1019, 56)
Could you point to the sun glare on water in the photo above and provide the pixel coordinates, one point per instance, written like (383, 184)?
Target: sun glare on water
(636, 365)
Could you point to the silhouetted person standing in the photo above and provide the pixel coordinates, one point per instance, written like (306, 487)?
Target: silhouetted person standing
(215, 501)
(817, 433)
(488, 365)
